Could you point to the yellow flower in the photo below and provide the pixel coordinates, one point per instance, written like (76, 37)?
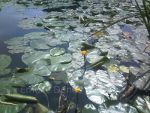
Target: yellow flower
(77, 90)
(84, 52)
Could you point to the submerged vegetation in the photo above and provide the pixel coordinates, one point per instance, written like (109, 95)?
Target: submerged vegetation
(78, 56)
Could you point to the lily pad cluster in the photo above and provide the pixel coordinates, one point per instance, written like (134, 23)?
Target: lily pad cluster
(56, 53)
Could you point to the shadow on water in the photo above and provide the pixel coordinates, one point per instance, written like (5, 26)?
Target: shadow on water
(52, 102)
(61, 8)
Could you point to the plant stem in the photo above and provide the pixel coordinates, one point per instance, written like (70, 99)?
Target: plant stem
(105, 27)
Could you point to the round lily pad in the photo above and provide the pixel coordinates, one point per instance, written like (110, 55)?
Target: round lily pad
(29, 77)
(4, 71)
(36, 35)
(62, 59)
(66, 58)
(42, 71)
(57, 51)
(39, 44)
(5, 61)
(30, 58)
(60, 67)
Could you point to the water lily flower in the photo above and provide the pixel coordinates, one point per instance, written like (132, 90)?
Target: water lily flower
(84, 52)
(77, 90)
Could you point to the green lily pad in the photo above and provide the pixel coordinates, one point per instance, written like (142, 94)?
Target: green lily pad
(42, 71)
(41, 108)
(39, 44)
(35, 35)
(62, 59)
(43, 87)
(20, 98)
(29, 77)
(10, 108)
(5, 60)
(59, 76)
(99, 62)
(30, 58)
(4, 71)
(6, 85)
(60, 67)
(57, 51)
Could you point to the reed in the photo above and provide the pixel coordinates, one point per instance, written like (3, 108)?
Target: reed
(144, 12)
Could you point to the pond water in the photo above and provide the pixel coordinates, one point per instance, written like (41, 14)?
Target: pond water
(10, 15)
(73, 56)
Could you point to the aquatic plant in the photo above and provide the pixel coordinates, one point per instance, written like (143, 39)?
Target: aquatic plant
(99, 63)
(77, 90)
(144, 13)
(101, 31)
(5, 62)
(30, 101)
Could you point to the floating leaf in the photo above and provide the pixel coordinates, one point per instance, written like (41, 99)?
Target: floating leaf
(5, 61)
(28, 77)
(6, 85)
(98, 33)
(59, 77)
(39, 108)
(30, 58)
(57, 51)
(62, 59)
(60, 67)
(43, 87)
(39, 44)
(86, 46)
(10, 108)
(20, 98)
(4, 71)
(99, 63)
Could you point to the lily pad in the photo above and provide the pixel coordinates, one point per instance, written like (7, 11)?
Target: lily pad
(4, 71)
(36, 35)
(57, 51)
(93, 56)
(43, 86)
(5, 61)
(10, 108)
(60, 67)
(62, 59)
(59, 76)
(29, 77)
(20, 98)
(30, 58)
(39, 44)
(99, 63)
(6, 85)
